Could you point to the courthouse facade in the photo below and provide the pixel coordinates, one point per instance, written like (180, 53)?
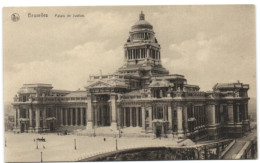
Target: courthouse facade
(140, 94)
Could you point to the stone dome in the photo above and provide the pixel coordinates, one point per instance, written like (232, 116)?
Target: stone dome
(142, 23)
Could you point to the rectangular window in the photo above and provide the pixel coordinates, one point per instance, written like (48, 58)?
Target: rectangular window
(24, 98)
(160, 113)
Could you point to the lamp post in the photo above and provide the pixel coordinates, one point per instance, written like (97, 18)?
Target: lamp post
(41, 156)
(116, 145)
(75, 144)
(36, 144)
(119, 132)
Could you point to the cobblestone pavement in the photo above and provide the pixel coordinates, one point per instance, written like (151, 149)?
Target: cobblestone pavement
(22, 147)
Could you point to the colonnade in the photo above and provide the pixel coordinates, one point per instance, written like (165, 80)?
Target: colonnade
(142, 53)
(72, 116)
(132, 117)
(236, 112)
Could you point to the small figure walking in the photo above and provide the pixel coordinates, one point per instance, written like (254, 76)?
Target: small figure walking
(104, 139)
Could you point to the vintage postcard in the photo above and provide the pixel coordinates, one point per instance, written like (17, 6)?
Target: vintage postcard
(129, 83)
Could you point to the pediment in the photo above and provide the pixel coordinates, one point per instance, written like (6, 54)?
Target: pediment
(99, 84)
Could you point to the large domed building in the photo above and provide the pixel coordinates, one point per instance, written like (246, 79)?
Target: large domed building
(141, 99)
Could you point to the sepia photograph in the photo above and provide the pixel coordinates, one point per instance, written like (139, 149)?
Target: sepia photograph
(129, 83)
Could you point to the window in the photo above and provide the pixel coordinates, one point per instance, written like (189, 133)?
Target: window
(160, 113)
(24, 98)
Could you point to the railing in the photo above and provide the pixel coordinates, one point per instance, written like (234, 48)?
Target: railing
(173, 95)
(54, 99)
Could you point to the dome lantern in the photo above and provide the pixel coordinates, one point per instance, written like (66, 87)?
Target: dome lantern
(141, 16)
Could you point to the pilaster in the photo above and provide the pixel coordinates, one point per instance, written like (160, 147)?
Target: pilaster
(179, 117)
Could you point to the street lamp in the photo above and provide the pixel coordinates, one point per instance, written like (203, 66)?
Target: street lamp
(41, 156)
(36, 144)
(116, 145)
(75, 145)
(115, 136)
(94, 131)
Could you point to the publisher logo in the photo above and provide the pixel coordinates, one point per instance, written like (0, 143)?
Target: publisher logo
(15, 17)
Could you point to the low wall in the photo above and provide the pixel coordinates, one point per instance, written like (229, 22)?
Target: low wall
(146, 153)
(194, 152)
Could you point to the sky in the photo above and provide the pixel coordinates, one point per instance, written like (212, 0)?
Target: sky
(206, 44)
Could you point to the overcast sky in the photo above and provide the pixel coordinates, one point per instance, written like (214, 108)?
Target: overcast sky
(206, 44)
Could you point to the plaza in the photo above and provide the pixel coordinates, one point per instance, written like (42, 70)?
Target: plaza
(62, 148)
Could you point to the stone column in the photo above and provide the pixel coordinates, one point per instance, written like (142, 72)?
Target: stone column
(96, 115)
(131, 117)
(61, 117)
(211, 115)
(44, 118)
(102, 116)
(86, 115)
(66, 116)
(185, 112)
(76, 116)
(18, 115)
(27, 113)
(192, 110)
(137, 117)
(30, 118)
(179, 117)
(230, 113)
(56, 113)
(238, 112)
(15, 118)
(143, 118)
(37, 118)
(145, 52)
(170, 117)
(134, 118)
(124, 117)
(71, 116)
(149, 52)
(164, 116)
(221, 112)
(118, 116)
(81, 116)
(246, 112)
(89, 113)
(113, 110)
(150, 118)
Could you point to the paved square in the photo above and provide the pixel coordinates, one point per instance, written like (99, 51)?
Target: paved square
(22, 148)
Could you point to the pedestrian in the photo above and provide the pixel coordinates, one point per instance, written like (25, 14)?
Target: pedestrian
(43, 146)
(104, 139)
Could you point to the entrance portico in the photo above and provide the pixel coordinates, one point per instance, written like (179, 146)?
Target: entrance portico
(160, 127)
(102, 103)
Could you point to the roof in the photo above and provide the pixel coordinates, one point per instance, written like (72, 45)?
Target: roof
(136, 92)
(77, 94)
(230, 86)
(142, 23)
(191, 86)
(160, 83)
(60, 91)
(33, 85)
(25, 90)
(169, 76)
